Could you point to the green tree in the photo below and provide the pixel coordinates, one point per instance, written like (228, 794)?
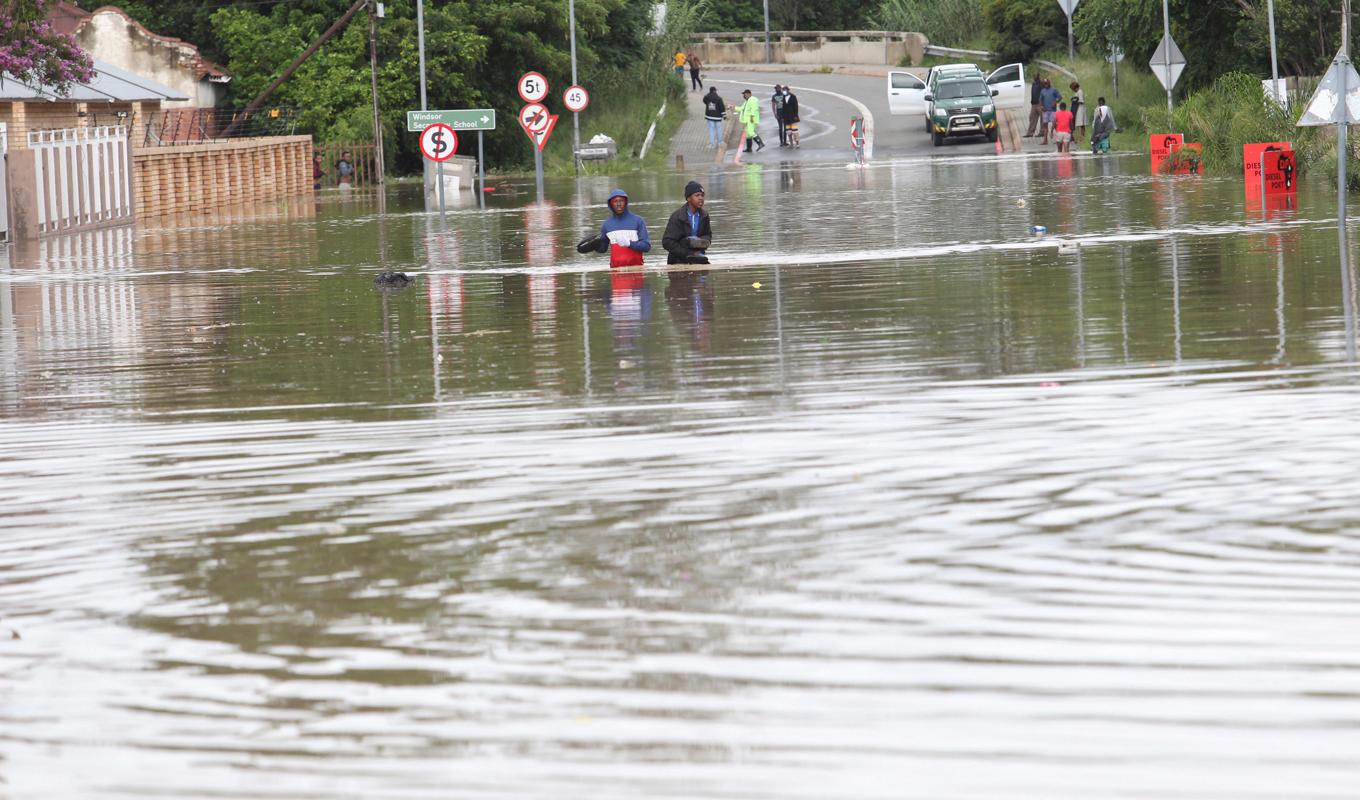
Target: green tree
(33, 52)
(1021, 29)
(946, 22)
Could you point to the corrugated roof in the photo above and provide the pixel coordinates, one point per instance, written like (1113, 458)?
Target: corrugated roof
(110, 85)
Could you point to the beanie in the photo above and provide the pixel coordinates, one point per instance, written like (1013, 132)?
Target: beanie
(691, 188)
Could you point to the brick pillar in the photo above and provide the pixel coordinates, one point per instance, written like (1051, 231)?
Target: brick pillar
(18, 129)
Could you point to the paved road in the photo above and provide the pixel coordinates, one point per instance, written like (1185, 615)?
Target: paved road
(827, 104)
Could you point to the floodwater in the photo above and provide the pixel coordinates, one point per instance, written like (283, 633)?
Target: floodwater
(896, 501)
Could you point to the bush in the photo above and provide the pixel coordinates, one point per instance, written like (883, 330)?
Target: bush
(1020, 29)
(953, 23)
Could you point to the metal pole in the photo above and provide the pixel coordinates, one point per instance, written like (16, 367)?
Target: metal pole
(1342, 154)
(420, 45)
(481, 170)
(1071, 51)
(575, 115)
(767, 31)
(1274, 62)
(373, 77)
(1166, 52)
(441, 190)
(538, 172)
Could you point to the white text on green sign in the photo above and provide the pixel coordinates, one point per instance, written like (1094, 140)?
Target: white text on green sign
(460, 119)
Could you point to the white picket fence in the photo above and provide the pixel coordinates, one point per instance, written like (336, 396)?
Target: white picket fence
(84, 176)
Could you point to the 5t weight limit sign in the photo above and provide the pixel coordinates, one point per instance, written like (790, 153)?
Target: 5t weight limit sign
(438, 142)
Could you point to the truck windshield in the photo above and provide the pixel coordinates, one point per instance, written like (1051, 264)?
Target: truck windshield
(953, 90)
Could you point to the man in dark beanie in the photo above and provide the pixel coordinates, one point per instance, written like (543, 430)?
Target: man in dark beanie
(688, 234)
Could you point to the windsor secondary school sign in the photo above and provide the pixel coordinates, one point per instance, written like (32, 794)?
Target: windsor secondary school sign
(460, 119)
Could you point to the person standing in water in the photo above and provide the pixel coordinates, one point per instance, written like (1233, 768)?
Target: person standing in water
(748, 114)
(688, 234)
(623, 234)
(791, 118)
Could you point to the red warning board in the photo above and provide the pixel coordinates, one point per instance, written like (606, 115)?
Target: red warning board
(1162, 145)
(1281, 171)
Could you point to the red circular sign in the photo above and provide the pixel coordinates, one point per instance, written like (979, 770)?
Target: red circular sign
(532, 87)
(576, 98)
(438, 142)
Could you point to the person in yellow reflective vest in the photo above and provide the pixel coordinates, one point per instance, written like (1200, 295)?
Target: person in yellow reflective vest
(749, 115)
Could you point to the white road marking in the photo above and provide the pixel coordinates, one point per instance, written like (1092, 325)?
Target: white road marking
(860, 107)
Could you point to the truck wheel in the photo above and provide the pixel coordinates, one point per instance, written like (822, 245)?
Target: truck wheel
(937, 139)
(992, 135)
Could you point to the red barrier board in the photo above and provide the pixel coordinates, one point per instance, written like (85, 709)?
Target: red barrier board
(1281, 172)
(1162, 145)
(1251, 160)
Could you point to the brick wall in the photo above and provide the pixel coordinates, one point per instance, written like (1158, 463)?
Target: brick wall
(199, 177)
(40, 116)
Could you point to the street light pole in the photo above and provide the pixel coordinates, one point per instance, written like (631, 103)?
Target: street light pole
(420, 43)
(767, 31)
(1274, 61)
(575, 115)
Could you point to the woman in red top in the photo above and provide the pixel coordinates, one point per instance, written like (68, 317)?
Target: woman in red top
(1062, 128)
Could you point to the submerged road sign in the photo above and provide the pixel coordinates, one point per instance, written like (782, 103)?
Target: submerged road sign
(460, 119)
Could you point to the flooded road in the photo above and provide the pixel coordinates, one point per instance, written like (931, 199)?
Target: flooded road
(894, 501)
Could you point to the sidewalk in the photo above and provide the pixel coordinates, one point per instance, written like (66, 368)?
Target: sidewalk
(690, 141)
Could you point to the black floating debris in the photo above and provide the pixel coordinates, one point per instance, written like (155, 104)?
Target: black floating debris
(391, 280)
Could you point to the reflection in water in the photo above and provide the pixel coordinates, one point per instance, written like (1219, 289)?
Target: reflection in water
(690, 297)
(934, 512)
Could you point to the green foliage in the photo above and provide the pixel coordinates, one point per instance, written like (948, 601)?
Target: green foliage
(785, 15)
(1020, 29)
(952, 23)
(1231, 112)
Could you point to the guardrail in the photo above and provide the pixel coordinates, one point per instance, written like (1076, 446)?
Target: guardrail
(798, 36)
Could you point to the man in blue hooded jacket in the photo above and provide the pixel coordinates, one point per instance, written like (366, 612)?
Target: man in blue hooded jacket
(623, 234)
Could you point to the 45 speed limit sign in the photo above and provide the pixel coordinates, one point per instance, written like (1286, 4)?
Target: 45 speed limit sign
(576, 98)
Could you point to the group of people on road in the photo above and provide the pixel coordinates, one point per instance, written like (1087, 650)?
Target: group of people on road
(1064, 124)
(623, 234)
(783, 103)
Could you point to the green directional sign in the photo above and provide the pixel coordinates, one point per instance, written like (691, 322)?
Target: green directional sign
(460, 119)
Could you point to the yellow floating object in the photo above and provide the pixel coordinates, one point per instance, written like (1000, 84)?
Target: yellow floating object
(755, 285)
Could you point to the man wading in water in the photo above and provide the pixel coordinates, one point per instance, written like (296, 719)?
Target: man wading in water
(623, 235)
(688, 234)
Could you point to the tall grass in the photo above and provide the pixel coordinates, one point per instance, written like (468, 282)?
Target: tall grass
(951, 23)
(624, 103)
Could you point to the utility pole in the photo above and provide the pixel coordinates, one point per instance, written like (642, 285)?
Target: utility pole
(1342, 156)
(291, 68)
(420, 43)
(373, 78)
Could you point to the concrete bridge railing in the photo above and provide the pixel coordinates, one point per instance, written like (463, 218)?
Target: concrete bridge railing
(811, 47)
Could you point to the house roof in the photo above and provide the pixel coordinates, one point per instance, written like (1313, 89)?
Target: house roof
(110, 85)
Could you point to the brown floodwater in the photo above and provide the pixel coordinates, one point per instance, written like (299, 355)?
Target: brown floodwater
(895, 500)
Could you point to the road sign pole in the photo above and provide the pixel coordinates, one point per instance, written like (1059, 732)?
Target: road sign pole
(1274, 62)
(575, 117)
(441, 190)
(481, 171)
(538, 172)
(1166, 53)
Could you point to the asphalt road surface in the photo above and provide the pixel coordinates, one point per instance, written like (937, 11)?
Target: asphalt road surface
(827, 103)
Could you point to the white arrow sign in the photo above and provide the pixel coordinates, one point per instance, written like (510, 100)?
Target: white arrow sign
(1167, 73)
(1326, 107)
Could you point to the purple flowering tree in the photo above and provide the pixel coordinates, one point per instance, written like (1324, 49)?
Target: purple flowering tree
(33, 52)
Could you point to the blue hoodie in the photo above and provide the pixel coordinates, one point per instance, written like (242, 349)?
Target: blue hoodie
(627, 221)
